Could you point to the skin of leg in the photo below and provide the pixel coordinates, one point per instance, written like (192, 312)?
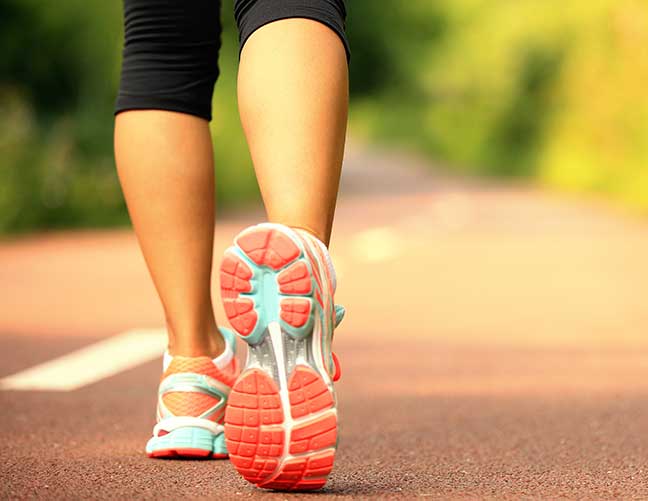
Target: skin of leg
(293, 101)
(165, 166)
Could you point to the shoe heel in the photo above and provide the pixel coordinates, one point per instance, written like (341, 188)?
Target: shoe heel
(265, 278)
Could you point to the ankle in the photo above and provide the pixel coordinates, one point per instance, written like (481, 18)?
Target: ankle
(200, 343)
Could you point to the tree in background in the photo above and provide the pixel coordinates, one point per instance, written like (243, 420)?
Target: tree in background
(552, 91)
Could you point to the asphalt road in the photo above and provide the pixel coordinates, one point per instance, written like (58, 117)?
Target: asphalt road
(496, 347)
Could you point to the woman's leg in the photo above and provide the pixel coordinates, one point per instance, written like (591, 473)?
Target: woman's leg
(163, 151)
(279, 282)
(166, 170)
(293, 98)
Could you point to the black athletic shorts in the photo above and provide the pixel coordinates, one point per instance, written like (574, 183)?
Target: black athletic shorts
(170, 59)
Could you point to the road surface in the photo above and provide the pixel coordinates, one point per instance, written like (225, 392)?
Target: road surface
(496, 347)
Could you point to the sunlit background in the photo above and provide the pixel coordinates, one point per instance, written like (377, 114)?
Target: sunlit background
(553, 92)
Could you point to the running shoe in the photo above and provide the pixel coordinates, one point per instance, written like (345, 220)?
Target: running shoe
(277, 287)
(191, 404)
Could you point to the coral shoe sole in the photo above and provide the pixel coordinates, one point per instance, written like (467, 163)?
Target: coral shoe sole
(281, 419)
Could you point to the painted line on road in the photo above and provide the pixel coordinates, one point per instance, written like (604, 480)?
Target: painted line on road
(91, 363)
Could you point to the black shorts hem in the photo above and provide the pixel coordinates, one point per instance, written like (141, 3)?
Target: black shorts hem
(296, 14)
(130, 103)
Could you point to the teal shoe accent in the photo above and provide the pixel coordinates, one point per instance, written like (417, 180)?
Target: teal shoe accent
(197, 383)
(265, 295)
(188, 437)
(340, 311)
(229, 336)
(219, 444)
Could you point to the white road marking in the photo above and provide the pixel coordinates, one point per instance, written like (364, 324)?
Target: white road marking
(91, 363)
(375, 245)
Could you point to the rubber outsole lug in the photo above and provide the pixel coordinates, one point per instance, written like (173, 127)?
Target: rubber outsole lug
(256, 430)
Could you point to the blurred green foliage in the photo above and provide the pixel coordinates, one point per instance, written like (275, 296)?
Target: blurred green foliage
(59, 73)
(553, 91)
(58, 68)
